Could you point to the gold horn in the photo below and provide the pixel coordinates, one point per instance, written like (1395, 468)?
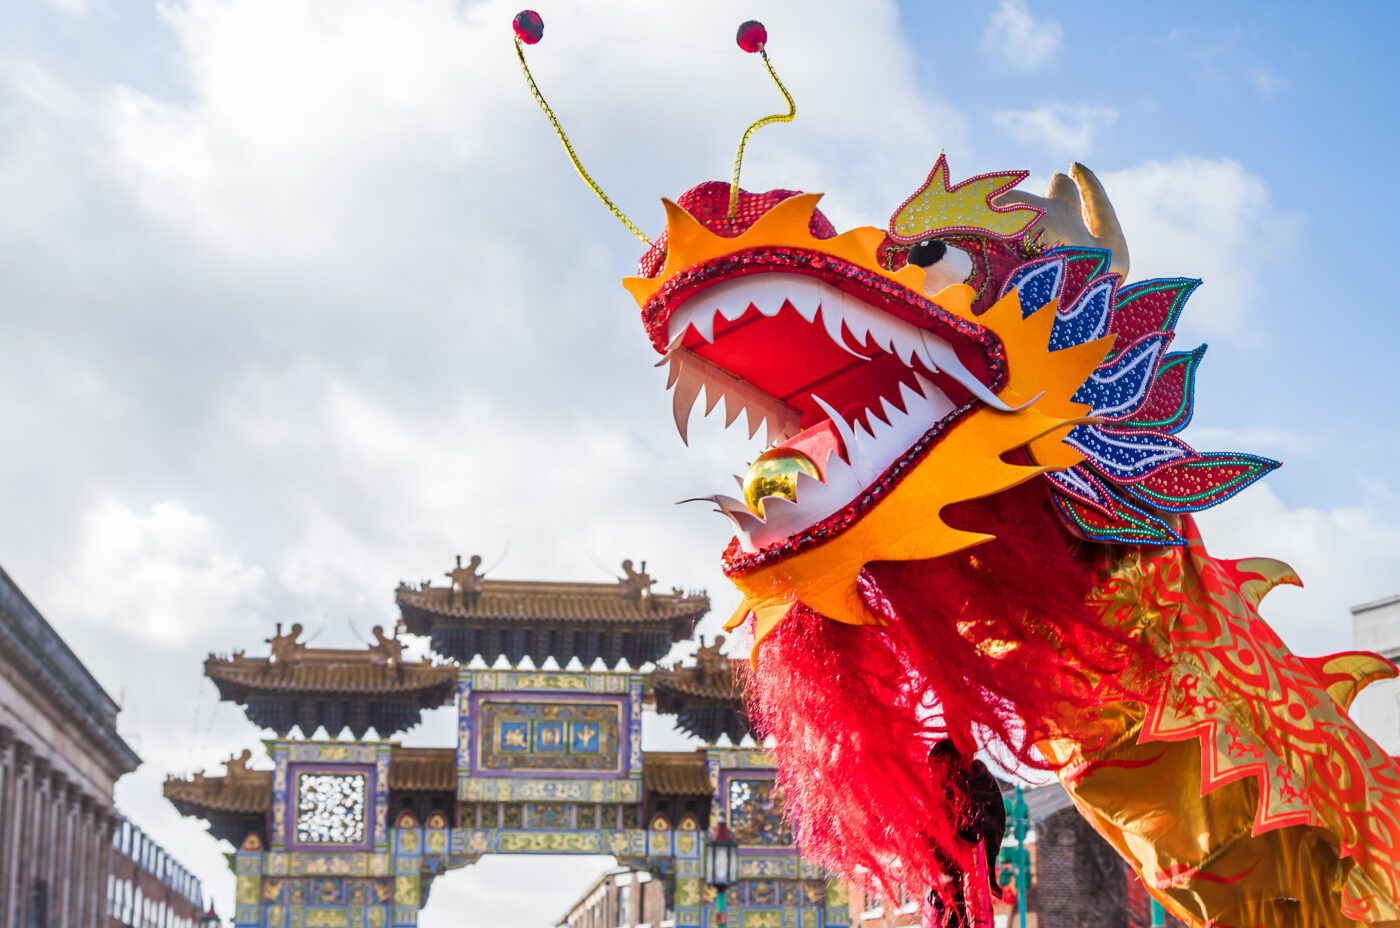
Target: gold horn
(1077, 212)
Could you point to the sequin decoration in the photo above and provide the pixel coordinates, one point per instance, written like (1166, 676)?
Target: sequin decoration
(1037, 283)
(709, 204)
(1150, 306)
(1118, 388)
(1195, 485)
(1170, 400)
(1124, 455)
(1134, 469)
(938, 207)
(1087, 317)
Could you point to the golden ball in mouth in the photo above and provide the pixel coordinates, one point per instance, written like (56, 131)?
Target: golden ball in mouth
(774, 473)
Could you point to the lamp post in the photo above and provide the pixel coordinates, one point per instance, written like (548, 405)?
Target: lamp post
(211, 918)
(1015, 857)
(721, 869)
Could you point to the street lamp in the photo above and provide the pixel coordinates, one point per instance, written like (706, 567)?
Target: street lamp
(211, 918)
(721, 868)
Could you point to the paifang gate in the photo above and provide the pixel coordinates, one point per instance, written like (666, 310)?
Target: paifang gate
(351, 834)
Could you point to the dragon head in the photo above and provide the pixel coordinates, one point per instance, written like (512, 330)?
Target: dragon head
(982, 339)
(978, 354)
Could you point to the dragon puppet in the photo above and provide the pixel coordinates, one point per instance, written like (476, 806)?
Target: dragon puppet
(971, 529)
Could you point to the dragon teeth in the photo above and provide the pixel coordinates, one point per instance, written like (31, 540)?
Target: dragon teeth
(873, 441)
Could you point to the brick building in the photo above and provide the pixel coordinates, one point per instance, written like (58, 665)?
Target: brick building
(60, 756)
(620, 898)
(147, 888)
(1077, 878)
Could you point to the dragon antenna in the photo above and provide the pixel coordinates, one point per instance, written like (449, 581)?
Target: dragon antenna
(529, 29)
(752, 37)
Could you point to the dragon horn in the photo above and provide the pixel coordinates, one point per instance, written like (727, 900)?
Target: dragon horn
(1077, 212)
(1100, 217)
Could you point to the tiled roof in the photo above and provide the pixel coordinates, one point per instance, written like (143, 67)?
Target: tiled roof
(423, 770)
(700, 683)
(706, 697)
(241, 791)
(531, 600)
(515, 619)
(676, 773)
(246, 792)
(325, 671)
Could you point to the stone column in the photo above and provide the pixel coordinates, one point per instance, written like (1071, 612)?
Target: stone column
(19, 819)
(82, 863)
(6, 818)
(104, 863)
(68, 870)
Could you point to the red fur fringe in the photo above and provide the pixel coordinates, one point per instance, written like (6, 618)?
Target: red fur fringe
(993, 648)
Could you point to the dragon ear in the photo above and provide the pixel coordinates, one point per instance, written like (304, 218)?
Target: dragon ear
(939, 207)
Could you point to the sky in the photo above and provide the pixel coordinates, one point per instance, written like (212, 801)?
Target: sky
(299, 298)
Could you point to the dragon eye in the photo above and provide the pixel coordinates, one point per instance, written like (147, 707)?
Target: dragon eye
(927, 253)
(943, 264)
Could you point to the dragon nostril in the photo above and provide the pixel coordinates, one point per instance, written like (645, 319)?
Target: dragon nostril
(927, 253)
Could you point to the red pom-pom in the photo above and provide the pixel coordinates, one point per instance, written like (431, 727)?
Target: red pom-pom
(752, 36)
(528, 26)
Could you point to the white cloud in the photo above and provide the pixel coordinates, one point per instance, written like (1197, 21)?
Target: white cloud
(330, 311)
(1207, 218)
(161, 576)
(337, 301)
(1019, 40)
(1267, 82)
(1063, 128)
(1345, 556)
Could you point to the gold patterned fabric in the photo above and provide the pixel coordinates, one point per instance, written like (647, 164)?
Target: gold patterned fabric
(1243, 794)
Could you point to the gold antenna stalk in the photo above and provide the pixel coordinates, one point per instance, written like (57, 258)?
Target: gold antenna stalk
(753, 37)
(529, 28)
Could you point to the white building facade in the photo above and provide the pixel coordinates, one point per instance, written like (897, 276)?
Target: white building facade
(1376, 627)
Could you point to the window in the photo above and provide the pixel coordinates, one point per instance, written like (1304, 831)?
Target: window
(624, 906)
(331, 808)
(873, 906)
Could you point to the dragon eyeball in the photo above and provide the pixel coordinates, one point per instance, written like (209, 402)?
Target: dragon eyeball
(943, 264)
(927, 253)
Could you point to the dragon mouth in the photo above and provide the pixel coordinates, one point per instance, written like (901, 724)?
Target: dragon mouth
(856, 393)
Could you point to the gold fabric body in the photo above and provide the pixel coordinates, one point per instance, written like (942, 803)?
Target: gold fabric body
(1238, 809)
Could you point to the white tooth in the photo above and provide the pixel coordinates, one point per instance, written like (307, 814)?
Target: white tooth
(733, 405)
(780, 430)
(856, 320)
(772, 293)
(670, 349)
(713, 394)
(689, 372)
(935, 400)
(729, 299)
(805, 295)
(892, 414)
(704, 324)
(816, 500)
(947, 361)
(840, 339)
(842, 428)
(831, 317)
(688, 383)
(730, 504)
(908, 344)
